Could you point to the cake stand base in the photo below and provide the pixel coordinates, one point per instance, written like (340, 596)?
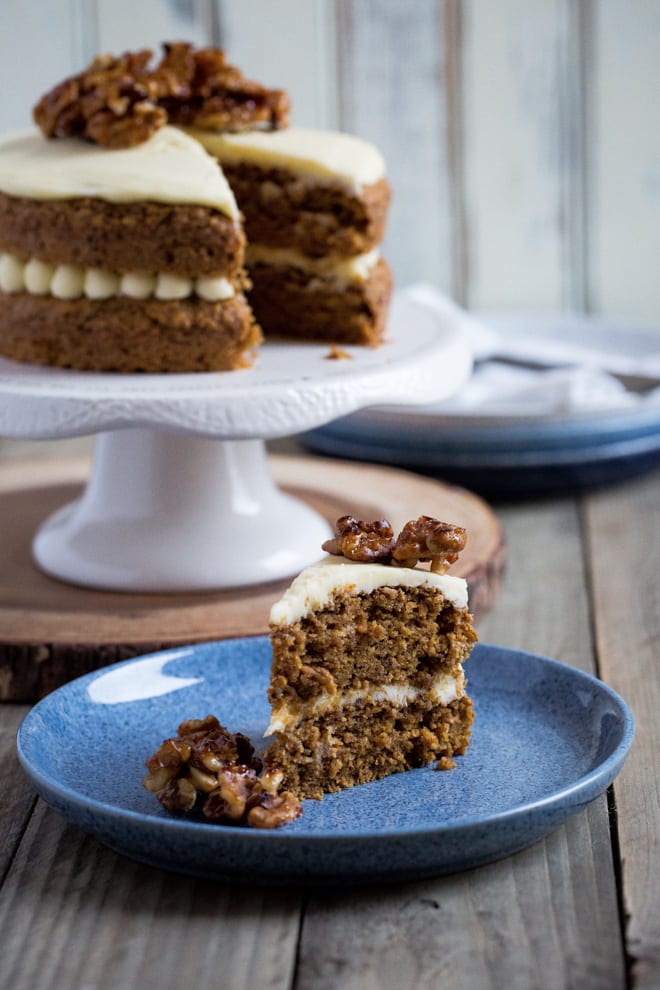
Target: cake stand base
(171, 512)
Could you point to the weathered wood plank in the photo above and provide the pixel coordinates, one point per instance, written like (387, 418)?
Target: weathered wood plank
(624, 541)
(17, 795)
(546, 918)
(514, 924)
(513, 122)
(391, 92)
(544, 554)
(302, 60)
(39, 45)
(74, 914)
(129, 26)
(623, 72)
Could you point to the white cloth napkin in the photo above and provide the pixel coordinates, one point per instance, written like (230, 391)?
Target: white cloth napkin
(575, 363)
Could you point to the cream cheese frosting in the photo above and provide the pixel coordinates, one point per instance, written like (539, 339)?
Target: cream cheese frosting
(38, 278)
(325, 156)
(170, 167)
(355, 268)
(444, 689)
(315, 586)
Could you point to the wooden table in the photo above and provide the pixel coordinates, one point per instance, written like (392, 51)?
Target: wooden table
(580, 909)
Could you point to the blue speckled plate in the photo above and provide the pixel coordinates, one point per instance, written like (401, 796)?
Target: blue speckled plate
(547, 740)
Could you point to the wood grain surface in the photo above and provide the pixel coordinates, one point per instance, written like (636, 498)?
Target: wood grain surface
(51, 631)
(577, 910)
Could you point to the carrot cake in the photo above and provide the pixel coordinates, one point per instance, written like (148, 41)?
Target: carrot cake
(367, 676)
(315, 205)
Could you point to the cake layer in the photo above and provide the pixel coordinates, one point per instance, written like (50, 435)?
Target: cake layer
(283, 210)
(179, 239)
(170, 167)
(73, 282)
(400, 636)
(363, 743)
(443, 689)
(127, 335)
(295, 303)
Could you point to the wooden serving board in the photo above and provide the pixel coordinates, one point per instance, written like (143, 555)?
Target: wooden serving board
(51, 631)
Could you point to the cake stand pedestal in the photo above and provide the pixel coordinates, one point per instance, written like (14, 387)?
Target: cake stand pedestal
(180, 496)
(166, 512)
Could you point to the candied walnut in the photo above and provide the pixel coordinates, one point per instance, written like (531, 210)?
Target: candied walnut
(359, 540)
(111, 102)
(227, 803)
(214, 95)
(429, 539)
(209, 769)
(423, 539)
(273, 810)
(121, 101)
(178, 795)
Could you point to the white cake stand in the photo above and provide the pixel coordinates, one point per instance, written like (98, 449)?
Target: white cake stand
(180, 496)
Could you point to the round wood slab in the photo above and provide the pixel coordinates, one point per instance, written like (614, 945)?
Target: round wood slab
(51, 632)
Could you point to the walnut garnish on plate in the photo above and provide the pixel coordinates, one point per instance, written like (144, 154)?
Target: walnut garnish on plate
(121, 101)
(208, 770)
(424, 539)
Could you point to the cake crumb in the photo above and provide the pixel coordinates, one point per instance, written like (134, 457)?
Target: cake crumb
(338, 354)
(445, 763)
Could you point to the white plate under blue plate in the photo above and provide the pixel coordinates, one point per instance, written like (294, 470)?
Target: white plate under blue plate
(547, 740)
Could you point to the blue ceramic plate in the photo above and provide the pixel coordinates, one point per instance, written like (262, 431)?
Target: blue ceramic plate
(547, 740)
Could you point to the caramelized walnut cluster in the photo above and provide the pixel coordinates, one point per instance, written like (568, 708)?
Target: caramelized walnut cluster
(422, 539)
(119, 102)
(209, 769)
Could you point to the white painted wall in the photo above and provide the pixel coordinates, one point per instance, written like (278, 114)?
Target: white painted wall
(521, 138)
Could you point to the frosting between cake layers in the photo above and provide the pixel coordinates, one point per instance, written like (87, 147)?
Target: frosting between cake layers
(168, 168)
(325, 156)
(38, 278)
(355, 268)
(445, 689)
(315, 586)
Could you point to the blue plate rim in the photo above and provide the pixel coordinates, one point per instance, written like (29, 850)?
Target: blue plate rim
(592, 783)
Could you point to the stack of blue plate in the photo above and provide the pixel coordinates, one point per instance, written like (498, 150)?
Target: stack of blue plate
(509, 455)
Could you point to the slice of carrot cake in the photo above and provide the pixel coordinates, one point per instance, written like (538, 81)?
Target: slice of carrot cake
(368, 647)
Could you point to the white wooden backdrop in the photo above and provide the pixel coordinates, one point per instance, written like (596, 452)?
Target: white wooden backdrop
(522, 136)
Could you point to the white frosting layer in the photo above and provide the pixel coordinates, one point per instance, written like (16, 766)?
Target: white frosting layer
(445, 689)
(353, 269)
(168, 168)
(325, 156)
(73, 282)
(315, 586)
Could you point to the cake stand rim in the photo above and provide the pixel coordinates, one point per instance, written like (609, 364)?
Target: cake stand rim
(423, 358)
